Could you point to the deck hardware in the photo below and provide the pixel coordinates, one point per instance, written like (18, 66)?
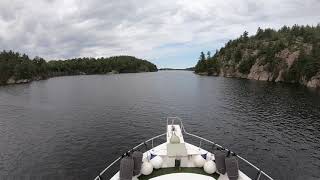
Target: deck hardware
(219, 147)
(146, 146)
(258, 175)
(177, 163)
(200, 144)
(228, 154)
(213, 146)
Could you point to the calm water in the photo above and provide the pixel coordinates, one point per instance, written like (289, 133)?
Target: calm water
(70, 127)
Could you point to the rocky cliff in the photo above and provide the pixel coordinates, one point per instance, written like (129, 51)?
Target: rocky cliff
(289, 55)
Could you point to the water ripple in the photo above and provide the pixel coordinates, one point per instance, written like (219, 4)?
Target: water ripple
(70, 127)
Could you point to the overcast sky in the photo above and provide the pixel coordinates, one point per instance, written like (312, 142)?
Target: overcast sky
(170, 33)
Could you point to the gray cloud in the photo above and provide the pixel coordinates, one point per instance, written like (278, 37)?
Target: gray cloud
(64, 29)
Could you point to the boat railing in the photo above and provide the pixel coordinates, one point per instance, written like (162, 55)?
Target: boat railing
(99, 177)
(259, 174)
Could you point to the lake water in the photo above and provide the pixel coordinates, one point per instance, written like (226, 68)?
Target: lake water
(72, 127)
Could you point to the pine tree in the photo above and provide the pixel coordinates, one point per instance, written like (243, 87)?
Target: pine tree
(202, 57)
(245, 35)
(208, 55)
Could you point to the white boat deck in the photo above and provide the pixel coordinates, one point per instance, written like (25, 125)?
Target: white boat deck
(163, 150)
(184, 176)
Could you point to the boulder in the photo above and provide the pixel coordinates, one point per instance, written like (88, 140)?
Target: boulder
(314, 82)
(11, 80)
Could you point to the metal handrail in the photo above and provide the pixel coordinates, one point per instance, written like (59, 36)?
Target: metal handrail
(134, 148)
(190, 134)
(217, 145)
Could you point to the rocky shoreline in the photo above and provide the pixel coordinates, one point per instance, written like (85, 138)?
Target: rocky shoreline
(12, 80)
(258, 72)
(290, 55)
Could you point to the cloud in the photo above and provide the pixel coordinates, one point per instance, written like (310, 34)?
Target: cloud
(155, 30)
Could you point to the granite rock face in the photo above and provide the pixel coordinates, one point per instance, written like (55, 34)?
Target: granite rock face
(314, 81)
(289, 55)
(278, 73)
(258, 72)
(13, 80)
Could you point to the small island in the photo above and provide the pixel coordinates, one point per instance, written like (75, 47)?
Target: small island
(290, 54)
(16, 68)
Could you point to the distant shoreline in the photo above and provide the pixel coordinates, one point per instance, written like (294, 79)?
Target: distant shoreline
(27, 81)
(16, 68)
(176, 69)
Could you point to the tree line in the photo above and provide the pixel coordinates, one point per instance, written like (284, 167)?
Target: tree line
(14, 65)
(264, 48)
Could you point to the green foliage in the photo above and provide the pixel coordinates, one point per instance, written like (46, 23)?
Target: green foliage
(122, 64)
(245, 35)
(8, 62)
(208, 55)
(213, 66)
(24, 70)
(246, 64)
(228, 55)
(238, 55)
(266, 47)
(305, 66)
(22, 67)
(209, 64)
(311, 67)
(202, 57)
(202, 64)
